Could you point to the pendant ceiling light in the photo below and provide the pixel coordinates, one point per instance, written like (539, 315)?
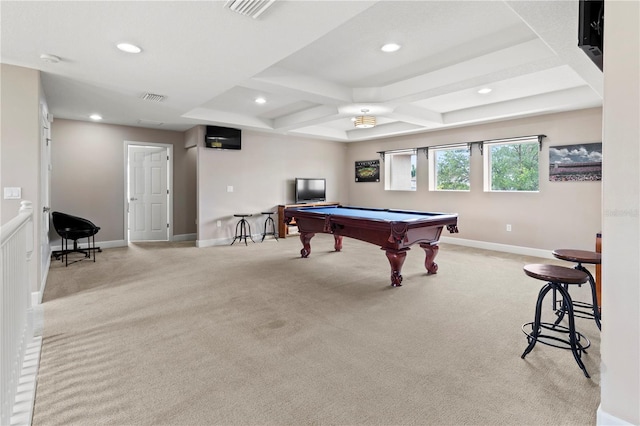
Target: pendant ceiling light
(364, 121)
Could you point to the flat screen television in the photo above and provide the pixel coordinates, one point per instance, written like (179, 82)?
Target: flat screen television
(310, 190)
(591, 29)
(223, 138)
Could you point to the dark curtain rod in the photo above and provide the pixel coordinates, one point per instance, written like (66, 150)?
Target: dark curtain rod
(468, 144)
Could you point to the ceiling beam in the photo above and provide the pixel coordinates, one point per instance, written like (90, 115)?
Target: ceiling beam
(306, 118)
(280, 81)
(561, 100)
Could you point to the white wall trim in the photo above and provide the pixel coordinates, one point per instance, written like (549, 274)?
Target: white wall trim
(225, 241)
(123, 243)
(185, 237)
(214, 242)
(101, 244)
(605, 419)
(111, 244)
(36, 296)
(527, 251)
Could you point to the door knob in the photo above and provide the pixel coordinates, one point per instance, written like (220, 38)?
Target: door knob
(46, 209)
(133, 199)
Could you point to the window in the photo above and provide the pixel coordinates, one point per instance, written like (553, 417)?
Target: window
(400, 170)
(511, 165)
(449, 168)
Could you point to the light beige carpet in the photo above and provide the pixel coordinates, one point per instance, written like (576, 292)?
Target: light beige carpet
(170, 334)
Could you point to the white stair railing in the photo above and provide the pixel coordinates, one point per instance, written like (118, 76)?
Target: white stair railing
(16, 330)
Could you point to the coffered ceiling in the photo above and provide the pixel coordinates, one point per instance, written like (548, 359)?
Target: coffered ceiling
(316, 63)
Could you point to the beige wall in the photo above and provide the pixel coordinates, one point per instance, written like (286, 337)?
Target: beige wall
(561, 214)
(620, 346)
(262, 175)
(20, 135)
(88, 174)
(21, 97)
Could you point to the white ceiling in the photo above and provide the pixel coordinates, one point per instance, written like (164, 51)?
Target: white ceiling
(317, 63)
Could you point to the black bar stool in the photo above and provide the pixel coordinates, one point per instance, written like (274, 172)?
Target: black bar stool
(557, 277)
(243, 229)
(580, 257)
(269, 221)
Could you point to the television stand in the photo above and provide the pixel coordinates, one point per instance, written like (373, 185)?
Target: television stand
(283, 228)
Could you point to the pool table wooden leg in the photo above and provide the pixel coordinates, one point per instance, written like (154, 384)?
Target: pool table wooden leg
(396, 260)
(305, 238)
(431, 250)
(337, 242)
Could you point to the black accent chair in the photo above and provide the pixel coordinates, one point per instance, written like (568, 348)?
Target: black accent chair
(73, 228)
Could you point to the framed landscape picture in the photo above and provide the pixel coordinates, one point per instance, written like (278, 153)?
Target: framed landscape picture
(368, 171)
(574, 163)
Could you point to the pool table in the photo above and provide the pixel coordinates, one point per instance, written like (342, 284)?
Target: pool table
(393, 230)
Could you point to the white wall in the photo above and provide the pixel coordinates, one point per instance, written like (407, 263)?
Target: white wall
(262, 174)
(620, 346)
(561, 214)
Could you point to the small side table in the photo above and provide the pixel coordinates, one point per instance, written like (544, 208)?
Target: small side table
(269, 222)
(243, 228)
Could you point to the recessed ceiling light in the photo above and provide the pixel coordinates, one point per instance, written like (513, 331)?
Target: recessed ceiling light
(95, 117)
(390, 47)
(50, 58)
(129, 48)
(485, 90)
(261, 100)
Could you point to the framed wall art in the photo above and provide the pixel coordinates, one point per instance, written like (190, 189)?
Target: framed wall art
(368, 171)
(575, 163)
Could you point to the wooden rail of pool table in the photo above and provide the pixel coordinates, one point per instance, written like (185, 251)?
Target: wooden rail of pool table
(283, 228)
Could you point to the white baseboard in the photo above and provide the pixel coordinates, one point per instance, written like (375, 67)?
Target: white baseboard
(36, 320)
(123, 243)
(605, 419)
(185, 237)
(527, 251)
(223, 241)
(36, 296)
(101, 244)
(111, 244)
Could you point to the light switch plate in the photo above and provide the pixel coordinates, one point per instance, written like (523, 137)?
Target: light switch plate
(12, 193)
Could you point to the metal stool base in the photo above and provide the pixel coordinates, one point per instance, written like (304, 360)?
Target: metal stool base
(243, 230)
(267, 222)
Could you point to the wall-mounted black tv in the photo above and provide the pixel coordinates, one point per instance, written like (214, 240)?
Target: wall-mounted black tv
(223, 138)
(310, 190)
(591, 29)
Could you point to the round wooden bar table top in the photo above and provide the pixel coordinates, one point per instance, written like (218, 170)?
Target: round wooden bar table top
(582, 256)
(555, 273)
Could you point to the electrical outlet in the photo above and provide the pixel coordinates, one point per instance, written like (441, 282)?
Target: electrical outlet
(229, 188)
(508, 228)
(219, 223)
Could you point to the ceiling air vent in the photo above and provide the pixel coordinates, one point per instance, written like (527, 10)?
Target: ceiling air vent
(153, 97)
(252, 8)
(149, 123)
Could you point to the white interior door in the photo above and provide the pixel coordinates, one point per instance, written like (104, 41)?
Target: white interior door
(148, 193)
